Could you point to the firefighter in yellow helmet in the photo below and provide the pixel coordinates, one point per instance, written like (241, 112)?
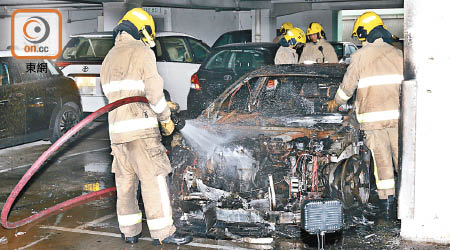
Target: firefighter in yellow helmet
(129, 69)
(283, 29)
(291, 45)
(376, 71)
(317, 50)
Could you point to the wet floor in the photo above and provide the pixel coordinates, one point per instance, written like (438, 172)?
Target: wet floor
(84, 166)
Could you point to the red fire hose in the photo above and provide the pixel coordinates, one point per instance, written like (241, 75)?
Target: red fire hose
(37, 164)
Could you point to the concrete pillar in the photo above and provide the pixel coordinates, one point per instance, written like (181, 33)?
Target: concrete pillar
(267, 25)
(424, 205)
(112, 13)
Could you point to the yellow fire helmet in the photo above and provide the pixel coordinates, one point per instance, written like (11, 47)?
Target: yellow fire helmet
(315, 28)
(295, 36)
(365, 23)
(144, 23)
(285, 27)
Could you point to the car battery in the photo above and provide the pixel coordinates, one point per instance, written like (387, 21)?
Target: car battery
(322, 215)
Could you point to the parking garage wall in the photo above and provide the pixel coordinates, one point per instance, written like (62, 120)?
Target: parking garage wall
(206, 25)
(303, 19)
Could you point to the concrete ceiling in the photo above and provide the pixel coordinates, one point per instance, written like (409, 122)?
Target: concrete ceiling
(278, 7)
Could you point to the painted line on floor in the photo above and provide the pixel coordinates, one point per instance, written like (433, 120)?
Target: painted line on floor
(84, 231)
(34, 242)
(94, 222)
(84, 152)
(62, 158)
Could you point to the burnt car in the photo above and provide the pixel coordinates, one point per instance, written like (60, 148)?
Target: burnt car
(267, 159)
(36, 101)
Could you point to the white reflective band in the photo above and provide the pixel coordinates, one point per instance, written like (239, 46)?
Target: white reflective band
(378, 116)
(342, 95)
(130, 219)
(160, 106)
(385, 184)
(132, 125)
(379, 80)
(115, 86)
(160, 223)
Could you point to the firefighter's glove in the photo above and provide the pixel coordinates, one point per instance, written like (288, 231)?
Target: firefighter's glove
(332, 106)
(167, 127)
(173, 106)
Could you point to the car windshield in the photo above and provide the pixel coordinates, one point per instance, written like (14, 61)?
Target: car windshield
(281, 95)
(87, 48)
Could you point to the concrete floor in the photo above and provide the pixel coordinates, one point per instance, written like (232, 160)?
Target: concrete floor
(86, 163)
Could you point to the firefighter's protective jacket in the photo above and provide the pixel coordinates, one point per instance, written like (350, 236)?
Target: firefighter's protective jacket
(128, 70)
(286, 55)
(312, 53)
(376, 70)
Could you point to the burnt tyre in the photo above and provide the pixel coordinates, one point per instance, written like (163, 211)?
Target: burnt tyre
(67, 117)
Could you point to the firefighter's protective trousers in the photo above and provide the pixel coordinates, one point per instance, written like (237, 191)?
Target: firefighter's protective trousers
(383, 143)
(143, 160)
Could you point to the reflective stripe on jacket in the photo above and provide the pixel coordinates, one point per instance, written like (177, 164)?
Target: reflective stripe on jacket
(376, 70)
(128, 70)
(311, 53)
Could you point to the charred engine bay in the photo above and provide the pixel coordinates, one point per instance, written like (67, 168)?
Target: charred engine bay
(247, 175)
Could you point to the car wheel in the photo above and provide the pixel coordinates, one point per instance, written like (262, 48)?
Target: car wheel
(67, 117)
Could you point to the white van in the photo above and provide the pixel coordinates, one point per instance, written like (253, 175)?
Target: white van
(178, 57)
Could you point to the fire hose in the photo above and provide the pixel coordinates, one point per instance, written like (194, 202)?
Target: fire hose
(52, 149)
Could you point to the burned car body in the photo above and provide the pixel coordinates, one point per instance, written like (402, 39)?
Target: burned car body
(267, 159)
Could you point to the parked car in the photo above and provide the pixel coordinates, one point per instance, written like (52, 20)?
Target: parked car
(223, 66)
(178, 56)
(35, 104)
(237, 36)
(344, 50)
(266, 158)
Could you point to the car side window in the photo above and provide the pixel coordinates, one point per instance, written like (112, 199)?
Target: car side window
(219, 61)
(175, 49)
(352, 49)
(199, 50)
(158, 51)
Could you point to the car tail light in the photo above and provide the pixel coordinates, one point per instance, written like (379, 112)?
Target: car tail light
(194, 82)
(86, 84)
(62, 65)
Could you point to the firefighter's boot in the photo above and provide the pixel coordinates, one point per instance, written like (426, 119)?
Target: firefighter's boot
(175, 239)
(388, 208)
(131, 240)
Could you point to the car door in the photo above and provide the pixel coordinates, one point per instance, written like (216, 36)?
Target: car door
(34, 74)
(12, 104)
(177, 67)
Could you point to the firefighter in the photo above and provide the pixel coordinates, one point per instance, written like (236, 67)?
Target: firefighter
(317, 50)
(283, 29)
(128, 70)
(376, 70)
(291, 45)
